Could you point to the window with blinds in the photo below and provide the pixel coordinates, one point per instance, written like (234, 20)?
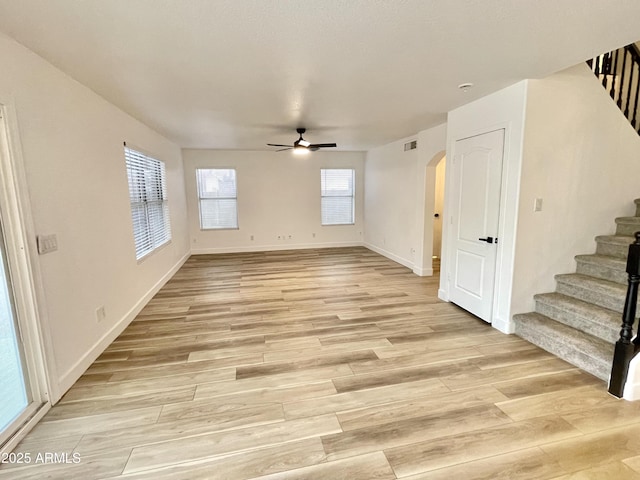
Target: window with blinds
(337, 187)
(148, 197)
(218, 198)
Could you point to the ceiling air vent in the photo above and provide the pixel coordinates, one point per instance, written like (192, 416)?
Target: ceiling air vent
(410, 145)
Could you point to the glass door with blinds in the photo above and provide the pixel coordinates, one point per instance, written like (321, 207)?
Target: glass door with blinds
(14, 387)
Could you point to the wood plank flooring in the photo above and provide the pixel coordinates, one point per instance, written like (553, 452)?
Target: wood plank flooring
(326, 364)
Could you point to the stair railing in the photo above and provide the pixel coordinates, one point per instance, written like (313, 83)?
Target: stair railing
(627, 346)
(619, 72)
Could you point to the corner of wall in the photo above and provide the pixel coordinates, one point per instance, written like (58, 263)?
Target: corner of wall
(503, 325)
(423, 272)
(389, 255)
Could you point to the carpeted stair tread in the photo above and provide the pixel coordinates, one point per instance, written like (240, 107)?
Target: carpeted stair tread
(627, 225)
(604, 267)
(603, 293)
(592, 319)
(617, 239)
(585, 351)
(613, 245)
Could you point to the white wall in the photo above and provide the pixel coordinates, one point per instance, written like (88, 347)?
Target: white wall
(582, 157)
(72, 153)
(278, 195)
(398, 203)
(503, 109)
(390, 201)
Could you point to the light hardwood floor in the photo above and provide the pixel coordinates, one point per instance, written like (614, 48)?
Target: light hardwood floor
(327, 364)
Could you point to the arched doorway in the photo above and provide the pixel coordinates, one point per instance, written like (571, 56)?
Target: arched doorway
(433, 205)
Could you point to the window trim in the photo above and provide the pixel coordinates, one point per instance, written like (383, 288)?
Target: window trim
(152, 164)
(352, 197)
(200, 199)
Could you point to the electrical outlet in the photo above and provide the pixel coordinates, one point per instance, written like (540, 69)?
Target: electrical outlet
(101, 314)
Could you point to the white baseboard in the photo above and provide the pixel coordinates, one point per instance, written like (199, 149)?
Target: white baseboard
(443, 295)
(270, 248)
(75, 372)
(632, 387)
(502, 325)
(390, 256)
(423, 272)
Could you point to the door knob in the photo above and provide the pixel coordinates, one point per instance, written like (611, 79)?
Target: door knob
(488, 239)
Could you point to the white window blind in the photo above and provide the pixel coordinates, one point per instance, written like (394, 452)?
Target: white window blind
(148, 197)
(337, 196)
(218, 198)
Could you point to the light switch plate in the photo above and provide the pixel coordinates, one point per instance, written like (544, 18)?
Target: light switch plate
(47, 243)
(537, 205)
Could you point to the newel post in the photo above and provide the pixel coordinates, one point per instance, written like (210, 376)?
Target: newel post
(625, 348)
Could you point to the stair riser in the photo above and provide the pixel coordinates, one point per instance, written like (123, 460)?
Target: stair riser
(627, 229)
(602, 272)
(597, 367)
(612, 302)
(612, 249)
(610, 334)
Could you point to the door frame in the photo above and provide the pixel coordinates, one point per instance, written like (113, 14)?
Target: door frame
(26, 283)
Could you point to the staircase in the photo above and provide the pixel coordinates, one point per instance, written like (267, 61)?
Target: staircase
(580, 321)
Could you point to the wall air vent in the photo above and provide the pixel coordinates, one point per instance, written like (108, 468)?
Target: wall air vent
(410, 145)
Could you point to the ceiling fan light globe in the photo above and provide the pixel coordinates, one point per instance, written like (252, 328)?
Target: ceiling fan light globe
(300, 151)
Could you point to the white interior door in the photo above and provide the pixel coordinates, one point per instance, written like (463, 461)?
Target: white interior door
(475, 207)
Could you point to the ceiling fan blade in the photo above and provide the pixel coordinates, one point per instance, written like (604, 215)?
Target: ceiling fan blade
(283, 149)
(322, 145)
(278, 145)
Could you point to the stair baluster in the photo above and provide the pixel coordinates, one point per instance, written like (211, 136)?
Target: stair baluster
(605, 71)
(615, 69)
(622, 73)
(611, 70)
(625, 349)
(635, 107)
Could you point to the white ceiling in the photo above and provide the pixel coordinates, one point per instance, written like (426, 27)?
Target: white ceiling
(237, 74)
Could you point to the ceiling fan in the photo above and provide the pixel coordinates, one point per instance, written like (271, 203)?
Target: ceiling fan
(301, 145)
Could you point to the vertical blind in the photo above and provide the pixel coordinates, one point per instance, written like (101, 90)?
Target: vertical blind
(218, 198)
(148, 197)
(337, 196)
